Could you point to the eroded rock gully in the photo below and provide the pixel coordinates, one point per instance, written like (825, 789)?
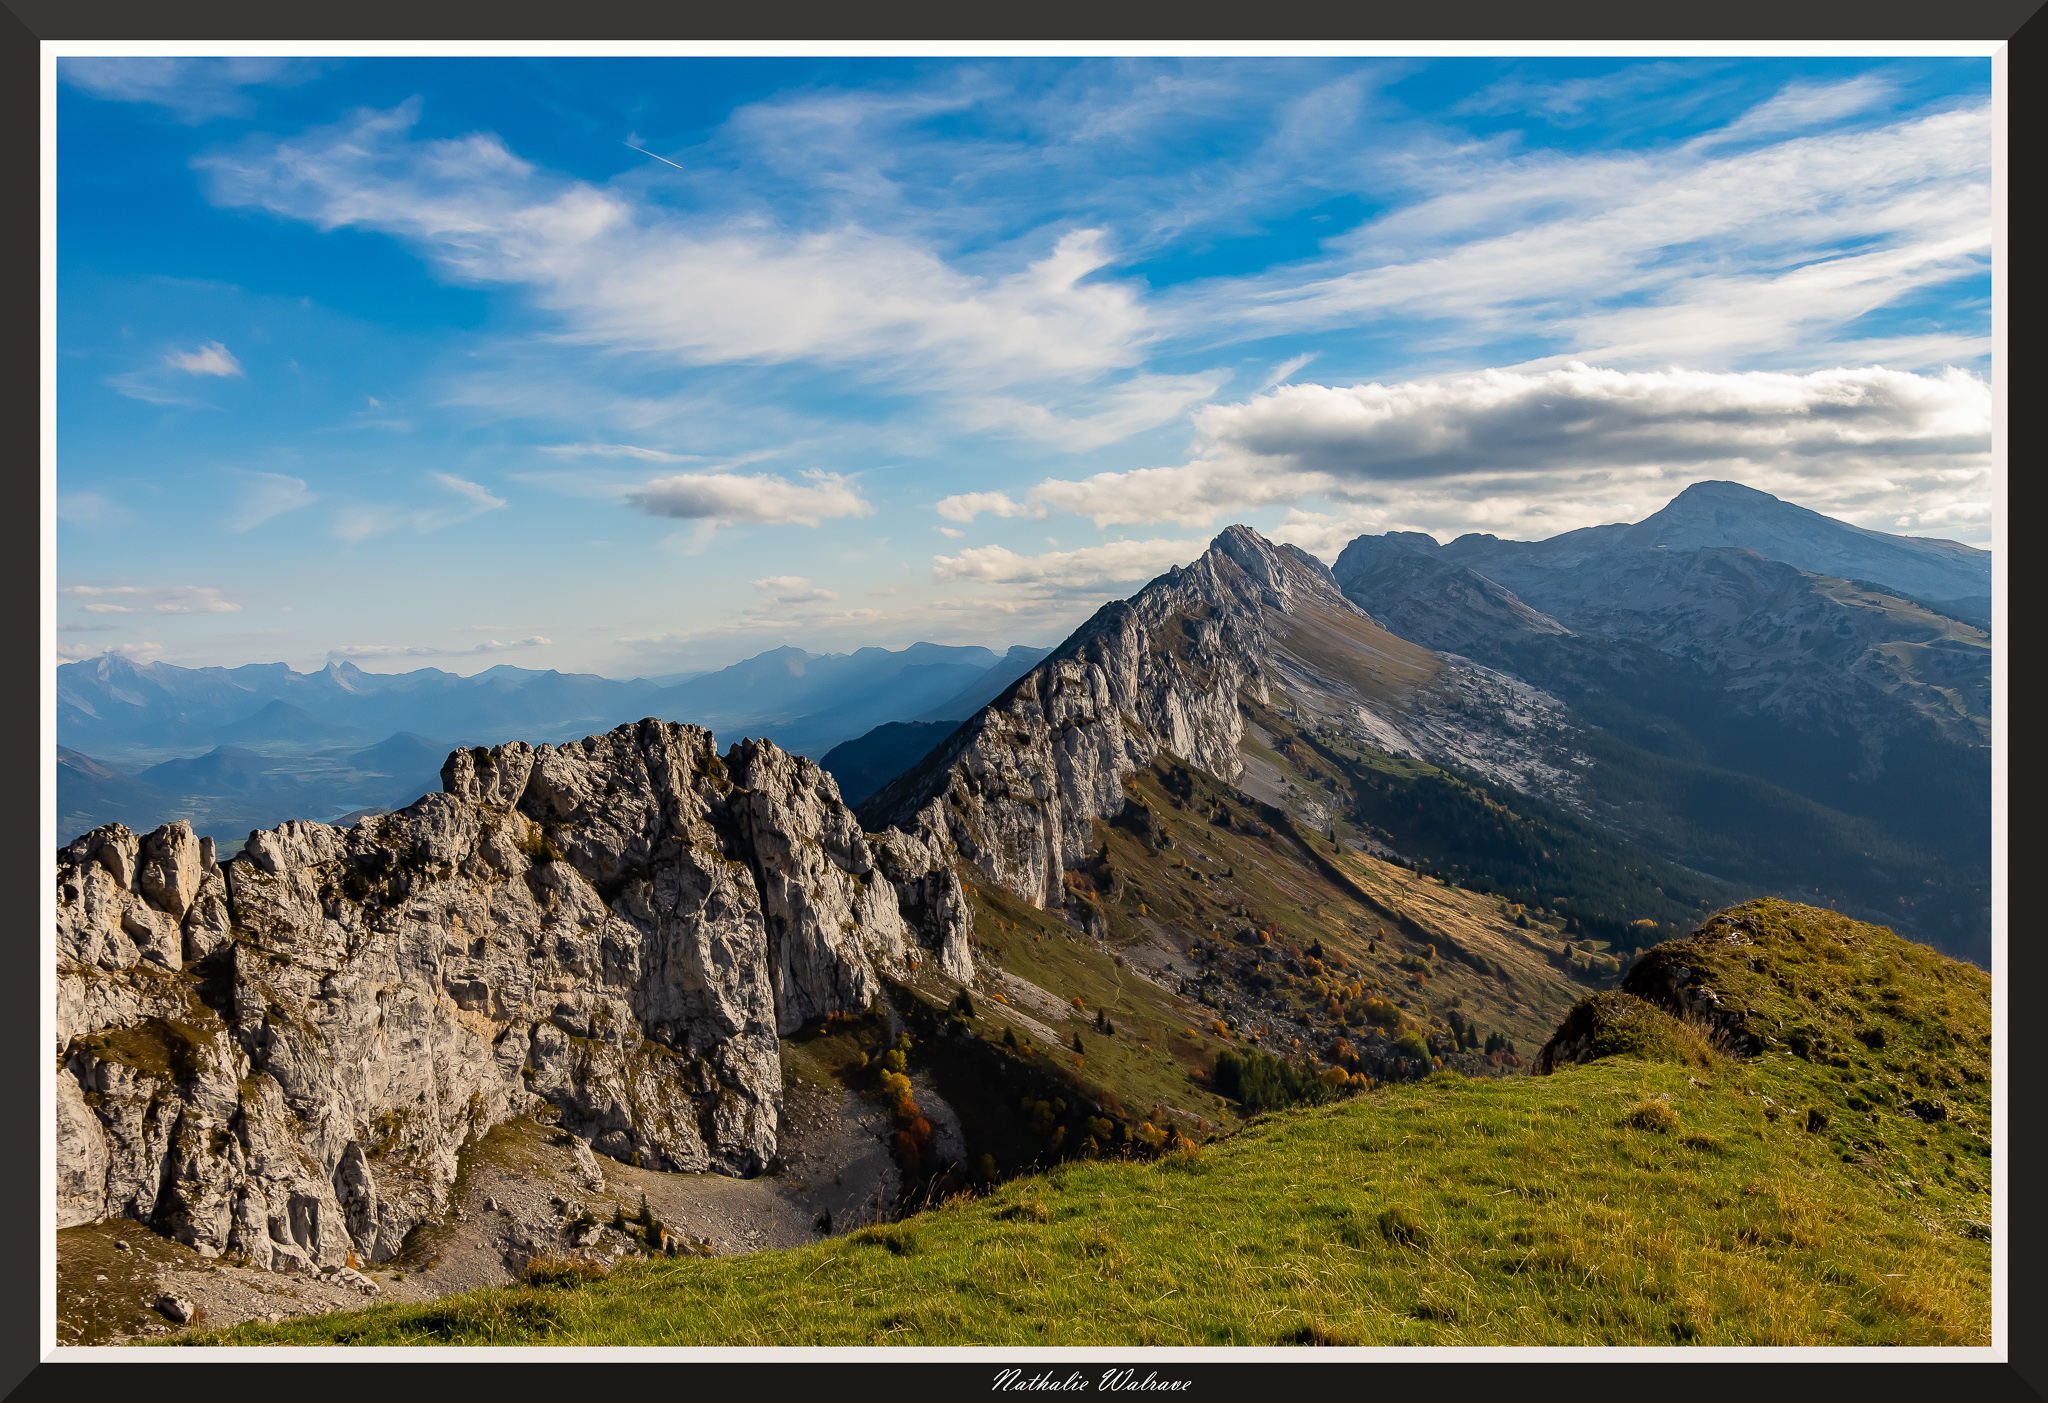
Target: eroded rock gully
(281, 1055)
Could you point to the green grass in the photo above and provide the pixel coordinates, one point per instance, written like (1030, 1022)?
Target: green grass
(1526, 1211)
(1831, 1188)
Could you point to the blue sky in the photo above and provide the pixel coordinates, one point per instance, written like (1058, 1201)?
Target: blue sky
(638, 365)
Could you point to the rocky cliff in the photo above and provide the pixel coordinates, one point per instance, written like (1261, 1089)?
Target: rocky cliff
(1021, 784)
(282, 1055)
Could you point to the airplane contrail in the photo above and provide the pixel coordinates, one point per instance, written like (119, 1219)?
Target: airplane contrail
(645, 152)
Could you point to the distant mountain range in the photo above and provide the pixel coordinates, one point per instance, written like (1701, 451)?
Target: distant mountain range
(1734, 694)
(231, 749)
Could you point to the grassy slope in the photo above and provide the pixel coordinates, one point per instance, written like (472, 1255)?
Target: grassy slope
(1525, 1210)
(1147, 892)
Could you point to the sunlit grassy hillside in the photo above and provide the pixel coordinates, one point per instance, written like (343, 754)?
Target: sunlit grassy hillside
(1830, 1189)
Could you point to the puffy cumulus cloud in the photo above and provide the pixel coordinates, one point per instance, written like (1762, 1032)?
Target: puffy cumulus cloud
(150, 599)
(212, 358)
(1572, 447)
(1504, 422)
(1088, 568)
(965, 506)
(1190, 495)
(627, 275)
(794, 589)
(731, 498)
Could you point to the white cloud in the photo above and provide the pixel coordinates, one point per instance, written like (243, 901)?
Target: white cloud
(138, 652)
(729, 498)
(1583, 440)
(1642, 258)
(150, 599)
(794, 589)
(263, 496)
(137, 384)
(211, 358)
(355, 651)
(1799, 106)
(195, 89)
(91, 509)
(1285, 370)
(1089, 567)
(630, 276)
(615, 450)
(965, 506)
(1566, 103)
(1139, 403)
(1189, 495)
(359, 522)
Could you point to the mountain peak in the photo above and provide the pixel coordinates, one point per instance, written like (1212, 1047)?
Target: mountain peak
(1715, 513)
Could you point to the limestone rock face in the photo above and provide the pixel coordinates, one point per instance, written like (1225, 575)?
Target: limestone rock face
(1021, 784)
(282, 1055)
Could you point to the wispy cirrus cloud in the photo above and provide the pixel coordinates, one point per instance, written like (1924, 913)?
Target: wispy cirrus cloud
(149, 599)
(192, 89)
(1573, 102)
(1714, 260)
(630, 276)
(1803, 106)
(91, 508)
(472, 500)
(141, 651)
(357, 651)
(261, 496)
(616, 450)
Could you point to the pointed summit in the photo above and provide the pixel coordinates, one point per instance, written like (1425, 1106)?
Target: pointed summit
(1709, 514)
(1170, 669)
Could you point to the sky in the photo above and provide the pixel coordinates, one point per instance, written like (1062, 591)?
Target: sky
(638, 366)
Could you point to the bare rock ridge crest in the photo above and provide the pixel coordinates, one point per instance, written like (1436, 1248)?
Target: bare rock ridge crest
(282, 1055)
(1020, 784)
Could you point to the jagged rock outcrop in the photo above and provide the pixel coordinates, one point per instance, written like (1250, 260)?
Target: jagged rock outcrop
(1019, 786)
(282, 1055)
